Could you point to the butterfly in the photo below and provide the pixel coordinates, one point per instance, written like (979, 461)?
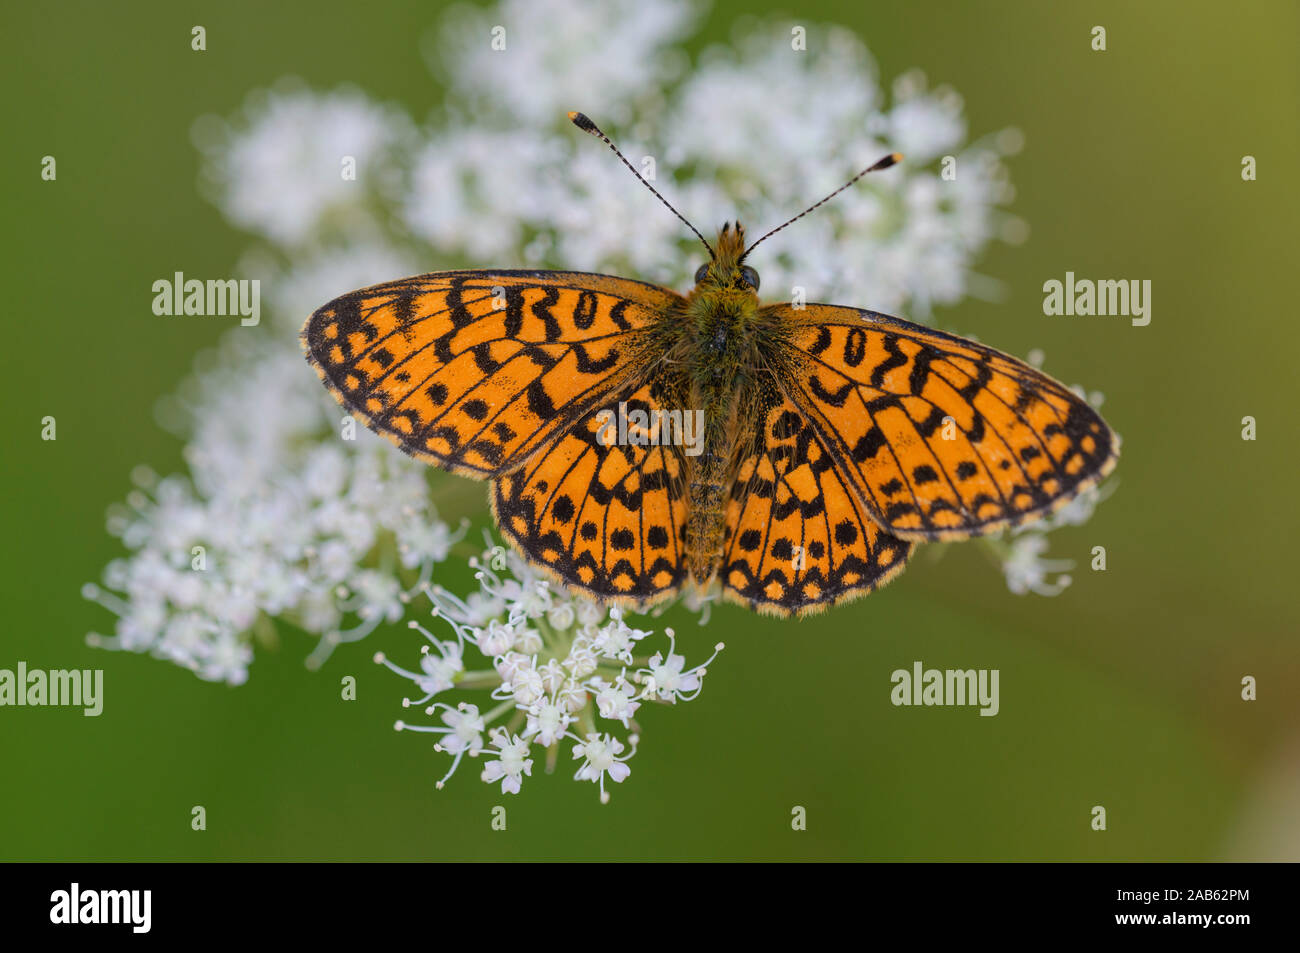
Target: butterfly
(791, 455)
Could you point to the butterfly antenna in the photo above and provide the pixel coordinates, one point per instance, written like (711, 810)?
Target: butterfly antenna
(884, 163)
(586, 125)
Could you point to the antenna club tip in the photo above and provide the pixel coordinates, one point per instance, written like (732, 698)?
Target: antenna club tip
(582, 122)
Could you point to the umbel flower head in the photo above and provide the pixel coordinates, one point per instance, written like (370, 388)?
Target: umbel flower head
(291, 512)
(553, 667)
(280, 519)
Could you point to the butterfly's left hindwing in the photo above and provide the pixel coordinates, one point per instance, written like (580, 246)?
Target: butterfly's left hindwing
(475, 371)
(941, 437)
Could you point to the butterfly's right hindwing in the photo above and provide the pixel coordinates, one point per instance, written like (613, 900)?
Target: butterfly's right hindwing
(798, 539)
(475, 371)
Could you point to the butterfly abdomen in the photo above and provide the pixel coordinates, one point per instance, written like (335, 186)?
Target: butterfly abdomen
(720, 365)
(705, 528)
(711, 475)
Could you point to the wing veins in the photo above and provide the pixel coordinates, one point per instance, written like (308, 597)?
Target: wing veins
(857, 387)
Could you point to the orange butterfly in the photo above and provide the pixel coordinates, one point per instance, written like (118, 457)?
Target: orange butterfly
(830, 438)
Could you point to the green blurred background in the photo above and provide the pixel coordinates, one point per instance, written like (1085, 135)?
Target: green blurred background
(1123, 692)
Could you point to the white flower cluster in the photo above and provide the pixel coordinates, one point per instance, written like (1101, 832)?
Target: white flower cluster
(561, 668)
(282, 171)
(756, 131)
(283, 517)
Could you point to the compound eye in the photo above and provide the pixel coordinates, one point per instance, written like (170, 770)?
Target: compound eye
(749, 276)
(701, 273)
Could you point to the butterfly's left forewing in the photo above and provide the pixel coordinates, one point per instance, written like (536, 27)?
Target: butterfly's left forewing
(941, 437)
(475, 371)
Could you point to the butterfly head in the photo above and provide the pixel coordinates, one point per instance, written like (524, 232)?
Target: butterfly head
(727, 269)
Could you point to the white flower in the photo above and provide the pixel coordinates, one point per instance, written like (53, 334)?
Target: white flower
(512, 764)
(547, 721)
(903, 238)
(554, 54)
(533, 601)
(554, 677)
(281, 519)
(562, 617)
(465, 729)
(530, 640)
(463, 733)
(589, 613)
(526, 685)
(617, 639)
(282, 171)
(376, 596)
(668, 679)
(600, 754)
(615, 700)
(582, 660)
(227, 660)
(440, 671)
(563, 684)
(1027, 571)
(574, 696)
(497, 639)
